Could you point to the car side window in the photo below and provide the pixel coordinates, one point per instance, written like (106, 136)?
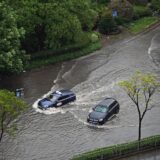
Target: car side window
(62, 98)
(112, 105)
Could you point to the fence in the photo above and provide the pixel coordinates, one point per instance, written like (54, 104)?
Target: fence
(121, 150)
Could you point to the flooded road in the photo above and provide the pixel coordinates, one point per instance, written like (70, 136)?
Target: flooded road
(58, 134)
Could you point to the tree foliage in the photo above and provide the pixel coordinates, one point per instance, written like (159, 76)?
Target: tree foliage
(12, 58)
(10, 108)
(52, 24)
(124, 9)
(155, 4)
(60, 27)
(107, 24)
(140, 90)
(83, 11)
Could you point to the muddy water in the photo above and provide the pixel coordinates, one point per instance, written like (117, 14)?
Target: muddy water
(58, 134)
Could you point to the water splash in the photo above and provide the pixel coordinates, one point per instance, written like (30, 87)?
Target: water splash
(154, 50)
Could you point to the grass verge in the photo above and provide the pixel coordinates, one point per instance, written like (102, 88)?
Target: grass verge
(121, 150)
(141, 24)
(63, 57)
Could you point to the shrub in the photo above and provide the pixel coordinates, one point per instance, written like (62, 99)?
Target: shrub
(107, 24)
(139, 2)
(94, 37)
(101, 1)
(155, 4)
(84, 40)
(124, 9)
(119, 20)
(141, 11)
(63, 57)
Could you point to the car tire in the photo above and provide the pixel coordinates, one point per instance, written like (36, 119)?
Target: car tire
(117, 111)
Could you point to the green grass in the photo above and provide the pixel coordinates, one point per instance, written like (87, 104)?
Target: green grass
(141, 24)
(63, 57)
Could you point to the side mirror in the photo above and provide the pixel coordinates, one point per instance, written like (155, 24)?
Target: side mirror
(93, 108)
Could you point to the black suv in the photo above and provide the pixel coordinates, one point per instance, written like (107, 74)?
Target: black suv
(103, 111)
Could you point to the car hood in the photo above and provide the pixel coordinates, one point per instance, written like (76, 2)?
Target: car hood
(45, 103)
(97, 115)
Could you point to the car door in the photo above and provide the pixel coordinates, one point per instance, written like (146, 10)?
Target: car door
(112, 108)
(62, 100)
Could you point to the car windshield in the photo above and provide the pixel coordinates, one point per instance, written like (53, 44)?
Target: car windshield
(100, 108)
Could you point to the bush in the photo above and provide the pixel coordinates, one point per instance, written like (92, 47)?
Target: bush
(119, 20)
(155, 5)
(101, 1)
(94, 37)
(139, 2)
(107, 24)
(84, 41)
(124, 9)
(141, 11)
(63, 57)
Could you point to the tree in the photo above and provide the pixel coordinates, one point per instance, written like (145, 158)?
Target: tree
(82, 9)
(140, 90)
(12, 58)
(61, 27)
(10, 108)
(123, 8)
(107, 24)
(28, 18)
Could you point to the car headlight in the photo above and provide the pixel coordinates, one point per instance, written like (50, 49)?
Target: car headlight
(100, 120)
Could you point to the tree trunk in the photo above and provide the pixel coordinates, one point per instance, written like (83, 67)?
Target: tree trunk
(139, 132)
(1, 135)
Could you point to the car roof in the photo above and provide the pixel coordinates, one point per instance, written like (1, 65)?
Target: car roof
(107, 101)
(63, 92)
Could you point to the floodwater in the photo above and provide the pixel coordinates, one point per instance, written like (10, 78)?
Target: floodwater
(58, 134)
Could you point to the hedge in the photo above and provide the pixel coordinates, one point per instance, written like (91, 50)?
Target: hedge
(120, 150)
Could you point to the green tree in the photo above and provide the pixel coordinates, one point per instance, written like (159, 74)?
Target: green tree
(123, 8)
(10, 108)
(140, 90)
(107, 24)
(29, 18)
(61, 27)
(12, 58)
(83, 10)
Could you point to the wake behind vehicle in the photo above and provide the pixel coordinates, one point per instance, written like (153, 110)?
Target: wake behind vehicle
(103, 111)
(56, 99)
